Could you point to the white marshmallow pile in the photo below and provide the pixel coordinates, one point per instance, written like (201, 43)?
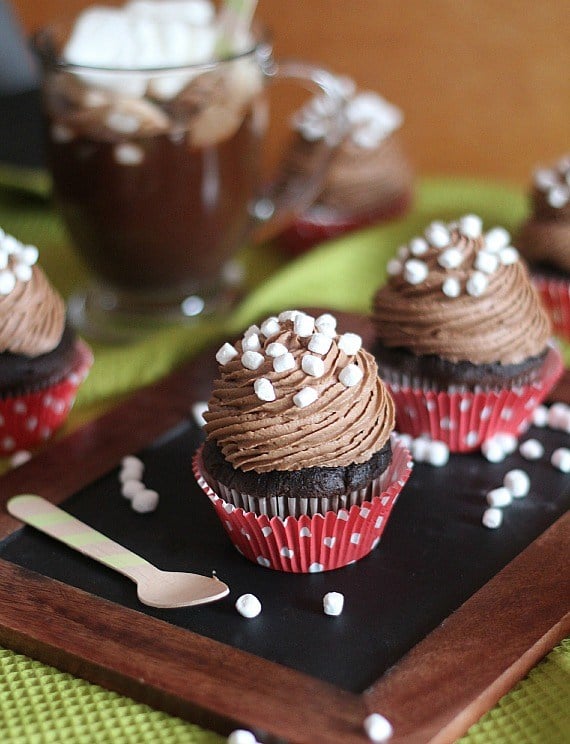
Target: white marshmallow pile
(143, 499)
(16, 262)
(319, 332)
(496, 252)
(555, 183)
(370, 118)
(378, 728)
(426, 450)
(248, 605)
(516, 485)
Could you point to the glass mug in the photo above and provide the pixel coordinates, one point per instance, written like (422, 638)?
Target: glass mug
(157, 190)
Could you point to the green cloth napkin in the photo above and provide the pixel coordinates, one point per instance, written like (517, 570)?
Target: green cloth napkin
(41, 704)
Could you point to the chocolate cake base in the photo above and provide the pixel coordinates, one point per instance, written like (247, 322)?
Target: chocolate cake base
(20, 373)
(317, 482)
(442, 374)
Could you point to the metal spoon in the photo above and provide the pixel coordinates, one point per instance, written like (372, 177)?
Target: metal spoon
(154, 587)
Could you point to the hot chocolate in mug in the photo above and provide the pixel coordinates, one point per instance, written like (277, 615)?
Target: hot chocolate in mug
(156, 166)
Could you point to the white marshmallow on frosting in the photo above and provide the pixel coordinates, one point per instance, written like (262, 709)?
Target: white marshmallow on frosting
(471, 225)
(303, 325)
(270, 326)
(264, 389)
(226, 353)
(312, 365)
(496, 238)
(319, 343)
(415, 272)
(350, 343)
(284, 362)
(305, 397)
(252, 360)
(437, 235)
(275, 349)
(351, 375)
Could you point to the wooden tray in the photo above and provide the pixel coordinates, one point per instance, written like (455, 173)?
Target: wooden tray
(489, 643)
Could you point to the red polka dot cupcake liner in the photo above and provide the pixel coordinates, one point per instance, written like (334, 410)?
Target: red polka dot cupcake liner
(30, 418)
(464, 420)
(555, 296)
(318, 542)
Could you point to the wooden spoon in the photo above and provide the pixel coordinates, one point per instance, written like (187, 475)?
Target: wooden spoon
(154, 587)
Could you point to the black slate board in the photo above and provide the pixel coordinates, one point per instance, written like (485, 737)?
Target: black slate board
(433, 556)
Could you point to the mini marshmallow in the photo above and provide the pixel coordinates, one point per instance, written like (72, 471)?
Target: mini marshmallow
(22, 272)
(132, 464)
(496, 239)
(492, 451)
(486, 262)
(437, 235)
(471, 225)
(544, 178)
(128, 154)
(312, 365)
(350, 343)
(131, 487)
(226, 353)
(437, 454)
(284, 363)
(451, 287)
(19, 458)
(303, 325)
(326, 323)
(507, 441)
(517, 482)
(248, 605)
(532, 449)
(499, 497)
(508, 255)
(415, 272)
(561, 459)
(275, 349)
(378, 728)
(287, 315)
(450, 258)
(333, 603)
(557, 414)
(3, 260)
(492, 518)
(418, 246)
(405, 439)
(251, 330)
(351, 375)
(420, 447)
(145, 501)
(252, 360)
(476, 284)
(251, 342)
(7, 282)
(558, 196)
(29, 255)
(319, 343)
(394, 267)
(264, 389)
(305, 397)
(270, 327)
(540, 416)
(198, 410)
(241, 736)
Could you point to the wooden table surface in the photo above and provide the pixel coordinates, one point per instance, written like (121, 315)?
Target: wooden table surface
(484, 85)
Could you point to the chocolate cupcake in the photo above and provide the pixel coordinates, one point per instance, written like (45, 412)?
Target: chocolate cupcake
(299, 441)
(369, 178)
(42, 362)
(544, 240)
(462, 339)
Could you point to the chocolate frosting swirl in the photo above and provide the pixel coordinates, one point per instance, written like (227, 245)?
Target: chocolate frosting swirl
(505, 323)
(32, 316)
(344, 425)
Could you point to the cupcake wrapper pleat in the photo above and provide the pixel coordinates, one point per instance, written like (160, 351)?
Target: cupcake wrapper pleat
(29, 418)
(555, 296)
(311, 543)
(464, 419)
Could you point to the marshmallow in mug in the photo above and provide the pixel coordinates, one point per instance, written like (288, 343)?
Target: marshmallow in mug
(144, 34)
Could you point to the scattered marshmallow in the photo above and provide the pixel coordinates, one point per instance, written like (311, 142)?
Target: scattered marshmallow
(284, 363)
(499, 497)
(303, 325)
(131, 487)
(226, 353)
(132, 466)
(241, 736)
(540, 416)
(557, 415)
(492, 450)
(198, 410)
(19, 458)
(437, 454)
(450, 258)
(333, 603)
(451, 287)
(305, 397)
(312, 365)
(496, 239)
(492, 518)
(476, 284)
(350, 343)
(145, 501)
(251, 342)
(351, 375)
(248, 605)
(532, 449)
(560, 459)
(264, 389)
(418, 246)
(486, 262)
(420, 449)
(508, 255)
(438, 235)
(252, 360)
(326, 324)
(415, 272)
(275, 349)
(270, 327)
(287, 315)
(471, 225)
(319, 343)
(507, 441)
(518, 483)
(378, 728)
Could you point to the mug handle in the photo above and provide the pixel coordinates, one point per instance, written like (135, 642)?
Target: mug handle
(283, 198)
